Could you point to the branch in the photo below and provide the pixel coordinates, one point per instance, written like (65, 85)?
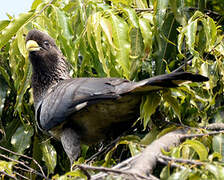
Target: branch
(6, 174)
(116, 171)
(179, 160)
(24, 165)
(146, 162)
(22, 155)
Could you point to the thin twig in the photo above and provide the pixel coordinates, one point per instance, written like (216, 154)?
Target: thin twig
(172, 164)
(201, 135)
(6, 174)
(179, 160)
(22, 155)
(20, 175)
(143, 10)
(215, 126)
(23, 164)
(103, 150)
(110, 170)
(124, 165)
(46, 6)
(85, 172)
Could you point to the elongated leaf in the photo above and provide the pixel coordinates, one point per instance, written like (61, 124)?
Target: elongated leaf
(7, 167)
(149, 107)
(146, 34)
(161, 7)
(107, 29)
(120, 35)
(21, 140)
(49, 156)
(199, 148)
(36, 3)
(3, 91)
(173, 103)
(3, 24)
(210, 32)
(132, 16)
(183, 174)
(191, 36)
(63, 23)
(218, 144)
(217, 171)
(136, 43)
(13, 27)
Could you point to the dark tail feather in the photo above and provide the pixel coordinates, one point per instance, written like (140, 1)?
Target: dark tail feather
(167, 81)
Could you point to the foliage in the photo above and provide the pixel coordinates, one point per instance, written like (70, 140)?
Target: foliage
(120, 38)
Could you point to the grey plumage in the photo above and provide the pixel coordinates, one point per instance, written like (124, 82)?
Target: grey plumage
(84, 110)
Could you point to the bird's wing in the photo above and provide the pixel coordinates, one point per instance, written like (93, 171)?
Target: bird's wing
(72, 95)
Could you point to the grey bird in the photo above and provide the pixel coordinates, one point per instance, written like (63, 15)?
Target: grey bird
(85, 110)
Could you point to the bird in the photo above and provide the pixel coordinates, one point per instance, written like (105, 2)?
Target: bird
(85, 110)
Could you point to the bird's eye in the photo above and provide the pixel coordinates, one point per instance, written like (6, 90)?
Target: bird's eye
(46, 44)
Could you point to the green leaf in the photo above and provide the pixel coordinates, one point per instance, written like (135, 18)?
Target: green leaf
(13, 27)
(35, 4)
(218, 144)
(62, 21)
(132, 16)
(146, 34)
(3, 24)
(191, 30)
(149, 107)
(183, 174)
(136, 43)
(3, 91)
(120, 36)
(214, 156)
(161, 8)
(49, 156)
(7, 167)
(217, 171)
(210, 32)
(21, 140)
(134, 150)
(172, 102)
(197, 15)
(107, 29)
(199, 148)
(150, 137)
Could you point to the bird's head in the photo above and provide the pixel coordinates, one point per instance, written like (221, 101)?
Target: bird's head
(49, 65)
(42, 50)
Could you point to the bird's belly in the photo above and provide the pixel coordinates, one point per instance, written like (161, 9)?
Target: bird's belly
(106, 118)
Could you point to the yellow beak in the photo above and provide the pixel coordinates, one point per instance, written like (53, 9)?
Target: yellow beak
(32, 45)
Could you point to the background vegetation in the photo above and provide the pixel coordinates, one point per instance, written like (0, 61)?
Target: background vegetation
(133, 39)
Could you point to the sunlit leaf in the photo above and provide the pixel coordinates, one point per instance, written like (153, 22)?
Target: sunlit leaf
(3, 24)
(173, 103)
(132, 16)
(149, 107)
(198, 147)
(13, 27)
(191, 36)
(21, 140)
(49, 156)
(218, 144)
(146, 34)
(183, 174)
(217, 171)
(120, 35)
(7, 167)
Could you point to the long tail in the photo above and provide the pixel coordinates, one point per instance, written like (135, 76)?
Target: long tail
(167, 81)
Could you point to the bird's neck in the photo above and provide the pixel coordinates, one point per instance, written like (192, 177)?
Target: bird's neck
(44, 80)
